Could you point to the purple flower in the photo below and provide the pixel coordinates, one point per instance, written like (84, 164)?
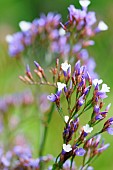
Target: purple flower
(77, 48)
(15, 43)
(83, 54)
(52, 97)
(96, 109)
(90, 18)
(110, 130)
(33, 163)
(81, 100)
(80, 152)
(103, 148)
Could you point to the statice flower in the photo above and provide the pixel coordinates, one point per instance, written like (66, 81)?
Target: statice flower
(74, 88)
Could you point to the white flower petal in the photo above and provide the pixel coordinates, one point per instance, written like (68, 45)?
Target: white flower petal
(96, 81)
(65, 66)
(84, 3)
(9, 38)
(60, 86)
(25, 26)
(105, 88)
(87, 128)
(62, 32)
(67, 148)
(66, 118)
(102, 26)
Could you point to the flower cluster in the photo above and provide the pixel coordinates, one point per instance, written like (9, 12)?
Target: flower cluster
(78, 82)
(66, 40)
(21, 158)
(73, 79)
(44, 29)
(17, 99)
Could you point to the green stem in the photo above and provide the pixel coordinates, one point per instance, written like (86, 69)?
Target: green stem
(43, 140)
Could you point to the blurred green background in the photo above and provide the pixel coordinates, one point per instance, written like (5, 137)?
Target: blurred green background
(11, 13)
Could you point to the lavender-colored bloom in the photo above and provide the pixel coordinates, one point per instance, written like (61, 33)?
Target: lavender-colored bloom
(76, 48)
(90, 64)
(90, 168)
(108, 107)
(103, 148)
(83, 54)
(96, 108)
(27, 38)
(43, 103)
(33, 163)
(27, 68)
(99, 117)
(54, 34)
(5, 161)
(52, 97)
(81, 100)
(86, 90)
(110, 130)
(77, 67)
(80, 152)
(3, 105)
(90, 18)
(15, 43)
(101, 95)
(36, 64)
(67, 164)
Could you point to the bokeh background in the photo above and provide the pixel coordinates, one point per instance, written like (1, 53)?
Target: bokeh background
(11, 13)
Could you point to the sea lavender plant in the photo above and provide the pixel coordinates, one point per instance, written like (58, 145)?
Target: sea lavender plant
(77, 90)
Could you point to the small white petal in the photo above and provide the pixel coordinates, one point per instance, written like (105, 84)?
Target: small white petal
(62, 32)
(9, 38)
(65, 66)
(96, 81)
(24, 26)
(84, 3)
(87, 128)
(60, 86)
(102, 26)
(105, 88)
(66, 118)
(67, 148)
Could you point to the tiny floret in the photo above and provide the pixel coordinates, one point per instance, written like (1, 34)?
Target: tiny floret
(24, 26)
(105, 88)
(60, 86)
(9, 38)
(67, 148)
(84, 3)
(87, 128)
(66, 118)
(65, 66)
(62, 32)
(102, 26)
(96, 81)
